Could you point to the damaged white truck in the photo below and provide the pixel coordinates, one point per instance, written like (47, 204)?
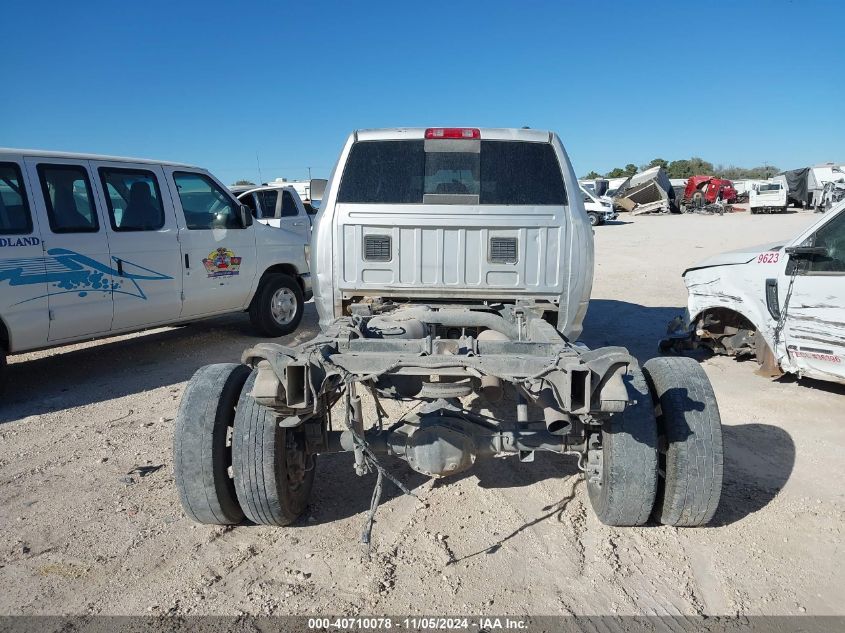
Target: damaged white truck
(783, 304)
(452, 265)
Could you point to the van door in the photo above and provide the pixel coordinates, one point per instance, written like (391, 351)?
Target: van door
(79, 277)
(23, 272)
(815, 314)
(218, 254)
(144, 244)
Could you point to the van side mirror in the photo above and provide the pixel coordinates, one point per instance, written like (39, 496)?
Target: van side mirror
(245, 216)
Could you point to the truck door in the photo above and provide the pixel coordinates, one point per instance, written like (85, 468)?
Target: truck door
(292, 216)
(218, 254)
(23, 274)
(268, 204)
(815, 314)
(79, 275)
(144, 244)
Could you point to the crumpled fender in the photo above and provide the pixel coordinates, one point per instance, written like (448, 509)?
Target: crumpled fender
(738, 287)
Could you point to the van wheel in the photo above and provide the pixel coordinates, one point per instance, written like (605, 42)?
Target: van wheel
(690, 441)
(622, 460)
(274, 472)
(595, 220)
(277, 307)
(202, 451)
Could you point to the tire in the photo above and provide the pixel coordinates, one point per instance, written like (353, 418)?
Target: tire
(201, 457)
(3, 371)
(277, 307)
(595, 220)
(269, 494)
(697, 199)
(625, 494)
(690, 430)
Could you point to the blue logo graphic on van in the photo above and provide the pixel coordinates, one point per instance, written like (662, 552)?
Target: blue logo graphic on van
(67, 271)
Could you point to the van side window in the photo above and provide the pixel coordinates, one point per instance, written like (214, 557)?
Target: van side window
(268, 199)
(15, 218)
(288, 205)
(133, 198)
(832, 237)
(67, 194)
(205, 204)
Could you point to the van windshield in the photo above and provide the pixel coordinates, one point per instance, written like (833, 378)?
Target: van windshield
(413, 172)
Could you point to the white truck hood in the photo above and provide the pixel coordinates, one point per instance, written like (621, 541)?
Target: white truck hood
(741, 256)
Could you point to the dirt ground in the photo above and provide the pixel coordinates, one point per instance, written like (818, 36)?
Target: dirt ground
(91, 521)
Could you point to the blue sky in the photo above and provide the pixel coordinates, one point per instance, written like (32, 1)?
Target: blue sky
(214, 84)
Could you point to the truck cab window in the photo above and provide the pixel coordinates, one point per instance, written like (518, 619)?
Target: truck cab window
(205, 204)
(832, 237)
(15, 218)
(268, 199)
(133, 198)
(68, 197)
(288, 205)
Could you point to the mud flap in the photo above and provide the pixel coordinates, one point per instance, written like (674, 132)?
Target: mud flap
(768, 364)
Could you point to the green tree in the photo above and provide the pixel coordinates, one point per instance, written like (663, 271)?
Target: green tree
(658, 162)
(732, 172)
(630, 169)
(592, 175)
(679, 169)
(616, 172)
(243, 182)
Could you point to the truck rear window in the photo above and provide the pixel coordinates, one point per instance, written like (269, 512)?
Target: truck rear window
(403, 172)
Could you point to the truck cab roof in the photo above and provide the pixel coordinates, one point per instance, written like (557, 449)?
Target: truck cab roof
(486, 133)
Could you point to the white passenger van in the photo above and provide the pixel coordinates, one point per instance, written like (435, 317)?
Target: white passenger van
(98, 245)
(599, 211)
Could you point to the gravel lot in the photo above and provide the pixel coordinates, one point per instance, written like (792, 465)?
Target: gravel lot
(91, 521)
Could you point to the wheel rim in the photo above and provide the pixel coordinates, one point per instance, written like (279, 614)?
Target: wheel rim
(283, 306)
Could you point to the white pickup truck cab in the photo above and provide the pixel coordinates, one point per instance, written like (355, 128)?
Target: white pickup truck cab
(768, 197)
(280, 207)
(783, 303)
(451, 264)
(97, 245)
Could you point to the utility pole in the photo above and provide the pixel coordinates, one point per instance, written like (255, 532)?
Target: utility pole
(258, 162)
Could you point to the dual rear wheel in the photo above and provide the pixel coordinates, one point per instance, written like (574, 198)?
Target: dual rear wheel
(231, 459)
(662, 457)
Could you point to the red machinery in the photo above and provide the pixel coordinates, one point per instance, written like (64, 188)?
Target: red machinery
(701, 190)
